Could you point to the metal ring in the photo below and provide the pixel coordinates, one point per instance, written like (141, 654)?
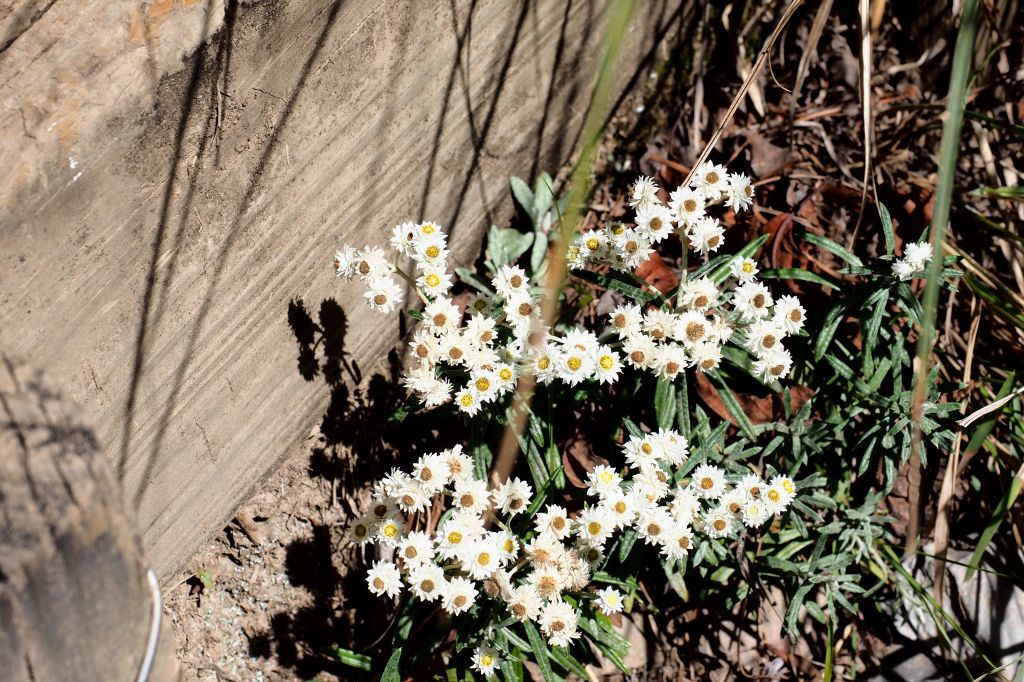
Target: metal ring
(154, 627)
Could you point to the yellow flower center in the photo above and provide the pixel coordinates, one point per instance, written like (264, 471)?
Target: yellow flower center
(774, 496)
(788, 486)
(574, 363)
(593, 244)
(466, 400)
(378, 583)
(427, 229)
(509, 546)
(606, 477)
(482, 384)
(647, 448)
(505, 374)
(390, 530)
(558, 523)
(747, 267)
(483, 558)
(454, 537)
(543, 363)
(432, 280)
(620, 507)
(486, 661)
(432, 251)
(606, 362)
(718, 524)
(593, 527)
(707, 483)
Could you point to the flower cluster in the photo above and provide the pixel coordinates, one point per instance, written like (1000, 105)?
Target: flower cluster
(494, 544)
(624, 248)
(474, 355)
(915, 260)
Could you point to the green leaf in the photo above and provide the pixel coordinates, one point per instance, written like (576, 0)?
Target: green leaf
(626, 543)
(506, 245)
(568, 661)
(828, 328)
(540, 651)
(524, 197)
(665, 403)
(831, 246)
(890, 237)
(616, 281)
(352, 659)
(798, 273)
(391, 673)
(734, 408)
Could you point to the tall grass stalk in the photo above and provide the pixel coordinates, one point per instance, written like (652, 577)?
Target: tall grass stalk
(956, 102)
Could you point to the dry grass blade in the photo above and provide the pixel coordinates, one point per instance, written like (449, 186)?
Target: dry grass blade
(981, 412)
(810, 50)
(941, 534)
(759, 63)
(867, 109)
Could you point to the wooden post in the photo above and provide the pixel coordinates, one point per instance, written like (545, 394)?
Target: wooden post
(75, 599)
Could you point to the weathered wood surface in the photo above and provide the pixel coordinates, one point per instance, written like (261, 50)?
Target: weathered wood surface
(75, 603)
(176, 171)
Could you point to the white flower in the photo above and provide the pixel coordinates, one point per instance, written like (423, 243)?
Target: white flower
(548, 579)
(371, 264)
(751, 486)
(918, 254)
(520, 307)
(685, 505)
(383, 294)
(608, 366)
(416, 548)
(711, 180)
(458, 532)
(789, 314)
(699, 294)
(553, 521)
(485, 660)
(692, 328)
(430, 250)
(626, 320)
(774, 365)
(739, 195)
(480, 303)
(707, 356)
(708, 481)
(481, 559)
(441, 315)
(653, 524)
(345, 262)
(643, 451)
(620, 508)
(390, 532)
(673, 446)
(434, 281)
(671, 361)
(764, 337)
(573, 365)
(641, 351)
(362, 529)
(471, 496)
(480, 329)
(678, 541)
(510, 279)
(505, 375)
(776, 499)
(513, 496)
(643, 194)
(384, 578)
(543, 549)
(508, 546)
(743, 269)
(787, 485)
(426, 348)
(543, 364)
(755, 513)
(609, 601)
(654, 222)
(707, 235)
(903, 269)
(524, 603)
(659, 324)
(719, 523)
(601, 480)
(485, 384)
(593, 245)
(595, 525)
(432, 471)
(459, 464)
(752, 300)
(468, 401)
(427, 229)
(632, 248)
(412, 497)
(558, 621)
(403, 237)
(459, 596)
(687, 205)
(426, 581)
